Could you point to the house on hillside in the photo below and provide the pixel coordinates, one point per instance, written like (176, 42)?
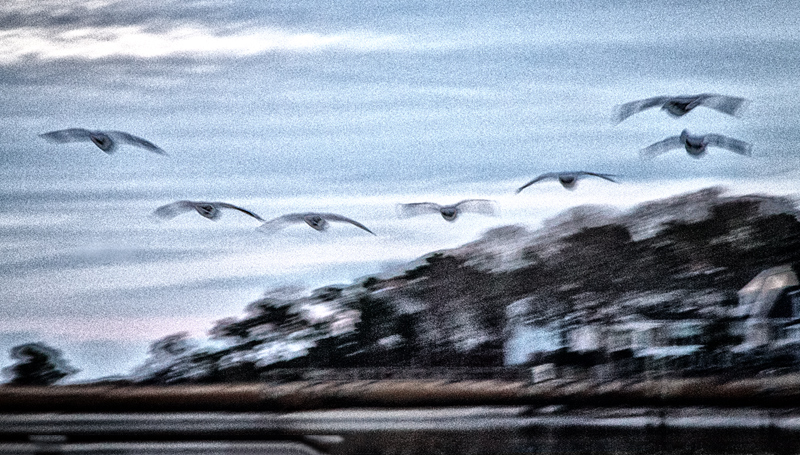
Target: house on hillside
(639, 344)
(586, 337)
(768, 313)
(766, 319)
(630, 345)
(525, 342)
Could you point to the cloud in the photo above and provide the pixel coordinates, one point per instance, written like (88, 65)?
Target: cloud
(137, 41)
(105, 327)
(97, 29)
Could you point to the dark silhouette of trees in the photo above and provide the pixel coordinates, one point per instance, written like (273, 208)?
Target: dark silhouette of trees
(450, 311)
(172, 359)
(381, 337)
(37, 364)
(266, 316)
(410, 345)
(596, 258)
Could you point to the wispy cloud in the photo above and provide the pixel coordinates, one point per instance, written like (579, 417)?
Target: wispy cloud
(126, 328)
(53, 8)
(184, 41)
(96, 29)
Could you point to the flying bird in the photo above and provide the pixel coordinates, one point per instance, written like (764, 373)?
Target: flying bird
(567, 179)
(448, 212)
(678, 106)
(210, 210)
(106, 140)
(696, 145)
(318, 221)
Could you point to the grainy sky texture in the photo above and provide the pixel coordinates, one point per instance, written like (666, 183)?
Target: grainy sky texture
(347, 107)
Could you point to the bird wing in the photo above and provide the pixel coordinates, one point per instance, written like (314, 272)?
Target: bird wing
(653, 150)
(281, 222)
(482, 206)
(231, 206)
(344, 219)
(68, 135)
(417, 208)
(174, 209)
(546, 175)
(608, 177)
(137, 141)
(734, 145)
(730, 105)
(623, 111)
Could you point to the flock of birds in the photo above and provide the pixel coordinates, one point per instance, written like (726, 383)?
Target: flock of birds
(676, 106)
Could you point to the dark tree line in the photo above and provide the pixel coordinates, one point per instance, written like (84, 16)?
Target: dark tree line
(458, 315)
(37, 364)
(451, 311)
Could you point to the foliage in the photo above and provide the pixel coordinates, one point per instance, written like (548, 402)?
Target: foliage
(37, 364)
(169, 360)
(451, 310)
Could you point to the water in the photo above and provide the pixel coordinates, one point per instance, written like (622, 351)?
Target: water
(386, 436)
(570, 441)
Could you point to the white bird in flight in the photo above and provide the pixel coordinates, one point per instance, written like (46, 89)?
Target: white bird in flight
(107, 141)
(318, 221)
(210, 210)
(678, 106)
(567, 179)
(696, 145)
(448, 212)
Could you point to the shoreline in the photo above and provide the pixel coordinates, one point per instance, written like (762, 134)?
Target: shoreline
(776, 393)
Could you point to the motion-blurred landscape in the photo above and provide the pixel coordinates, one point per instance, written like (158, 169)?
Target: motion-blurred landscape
(604, 330)
(651, 307)
(700, 284)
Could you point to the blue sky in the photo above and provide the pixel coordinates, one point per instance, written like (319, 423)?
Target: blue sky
(348, 107)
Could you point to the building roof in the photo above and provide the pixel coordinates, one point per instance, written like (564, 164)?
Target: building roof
(757, 297)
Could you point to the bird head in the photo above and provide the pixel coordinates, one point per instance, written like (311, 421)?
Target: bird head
(568, 181)
(695, 146)
(677, 108)
(103, 141)
(449, 213)
(208, 210)
(316, 222)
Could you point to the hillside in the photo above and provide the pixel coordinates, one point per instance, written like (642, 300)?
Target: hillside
(682, 257)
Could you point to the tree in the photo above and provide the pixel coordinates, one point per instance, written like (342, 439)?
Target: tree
(596, 258)
(269, 318)
(37, 364)
(171, 359)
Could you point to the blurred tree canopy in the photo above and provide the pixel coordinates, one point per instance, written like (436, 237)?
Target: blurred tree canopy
(451, 310)
(37, 364)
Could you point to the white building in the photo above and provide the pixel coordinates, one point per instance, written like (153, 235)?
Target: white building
(769, 309)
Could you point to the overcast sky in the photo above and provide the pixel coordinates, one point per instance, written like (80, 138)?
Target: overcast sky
(348, 107)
